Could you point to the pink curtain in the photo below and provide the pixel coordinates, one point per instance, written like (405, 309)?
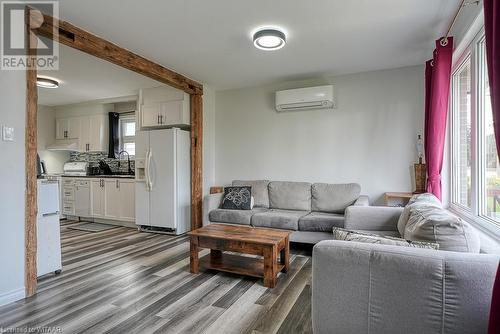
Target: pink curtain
(437, 91)
(492, 32)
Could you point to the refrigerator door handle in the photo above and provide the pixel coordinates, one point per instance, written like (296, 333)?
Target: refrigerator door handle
(146, 170)
(150, 181)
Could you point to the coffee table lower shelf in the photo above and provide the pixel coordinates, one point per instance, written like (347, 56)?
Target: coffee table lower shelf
(236, 264)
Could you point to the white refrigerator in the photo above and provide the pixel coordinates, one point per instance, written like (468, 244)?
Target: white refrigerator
(163, 180)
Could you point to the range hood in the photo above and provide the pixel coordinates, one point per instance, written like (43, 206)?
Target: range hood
(63, 145)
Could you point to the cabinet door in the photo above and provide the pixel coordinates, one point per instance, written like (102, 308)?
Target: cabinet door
(73, 127)
(127, 199)
(82, 199)
(150, 115)
(84, 138)
(96, 198)
(171, 113)
(96, 133)
(62, 128)
(112, 205)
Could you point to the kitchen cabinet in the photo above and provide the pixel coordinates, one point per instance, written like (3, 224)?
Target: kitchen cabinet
(113, 199)
(127, 200)
(67, 128)
(93, 133)
(97, 198)
(112, 204)
(162, 107)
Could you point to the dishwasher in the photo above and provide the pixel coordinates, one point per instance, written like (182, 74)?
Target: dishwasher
(82, 198)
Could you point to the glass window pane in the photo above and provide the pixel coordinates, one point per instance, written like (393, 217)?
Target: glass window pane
(462, 111)
(129, 129)
(129, 147)
(491, 166)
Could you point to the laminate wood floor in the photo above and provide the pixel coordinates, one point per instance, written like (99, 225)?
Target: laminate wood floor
(125, 281)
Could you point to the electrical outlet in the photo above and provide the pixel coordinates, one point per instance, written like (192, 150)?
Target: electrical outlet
(7, 133)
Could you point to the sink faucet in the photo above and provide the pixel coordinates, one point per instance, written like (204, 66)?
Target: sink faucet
(128, 160)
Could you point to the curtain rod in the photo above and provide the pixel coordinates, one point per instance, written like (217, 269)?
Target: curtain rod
(444, 40)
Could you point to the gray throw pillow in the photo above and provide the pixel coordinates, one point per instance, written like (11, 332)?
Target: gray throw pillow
(432, 224)
(259, 191)
(237, 198)
(347, 235)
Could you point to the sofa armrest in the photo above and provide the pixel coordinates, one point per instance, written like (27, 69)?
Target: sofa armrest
(210, 202)
(372, 218)
(363, 200)
(371, 288)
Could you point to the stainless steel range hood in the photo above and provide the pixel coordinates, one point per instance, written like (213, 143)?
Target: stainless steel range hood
(63, 145)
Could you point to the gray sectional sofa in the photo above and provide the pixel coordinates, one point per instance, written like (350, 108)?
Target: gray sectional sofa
(310, 210)
(374, 288)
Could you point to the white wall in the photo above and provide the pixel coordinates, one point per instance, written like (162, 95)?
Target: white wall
(208, 138)
(46, 130)
(370, 137)
(12, 191)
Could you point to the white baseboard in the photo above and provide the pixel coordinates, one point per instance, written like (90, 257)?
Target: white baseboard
(12, 296)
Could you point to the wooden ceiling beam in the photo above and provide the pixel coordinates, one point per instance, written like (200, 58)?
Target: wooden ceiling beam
(82, 40)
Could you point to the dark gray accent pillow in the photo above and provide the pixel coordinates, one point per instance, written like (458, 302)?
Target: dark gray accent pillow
(237, 198)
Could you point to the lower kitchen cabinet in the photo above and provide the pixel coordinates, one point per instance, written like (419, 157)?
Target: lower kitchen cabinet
(97, 198)
(113, 199)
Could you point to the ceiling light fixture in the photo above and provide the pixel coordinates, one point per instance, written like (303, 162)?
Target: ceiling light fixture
(46, 82)
(269, 39)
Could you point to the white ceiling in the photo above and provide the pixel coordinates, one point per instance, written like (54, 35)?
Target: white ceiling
(85, 78)
(210, 41)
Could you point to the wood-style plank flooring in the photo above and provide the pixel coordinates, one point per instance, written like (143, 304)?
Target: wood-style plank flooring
(124, 281)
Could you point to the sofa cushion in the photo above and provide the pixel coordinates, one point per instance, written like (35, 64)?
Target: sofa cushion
(347, 235)
(334, 198)
(290, 195)
(320, 222)
(241, 217)
(259, 191)
(432, 224)
(282, 219)
(425, 199)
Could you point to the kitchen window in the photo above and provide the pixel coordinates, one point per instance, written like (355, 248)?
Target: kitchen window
(475, 168)
(127, 134)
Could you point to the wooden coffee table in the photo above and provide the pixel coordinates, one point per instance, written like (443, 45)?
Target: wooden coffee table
(241, 239)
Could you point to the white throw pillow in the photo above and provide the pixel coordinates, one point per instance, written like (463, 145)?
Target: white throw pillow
(425, 199)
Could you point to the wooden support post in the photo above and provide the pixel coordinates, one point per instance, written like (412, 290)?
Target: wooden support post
(196, 161)
(31, 161)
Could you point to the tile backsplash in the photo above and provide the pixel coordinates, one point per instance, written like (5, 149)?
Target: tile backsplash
(93, 159)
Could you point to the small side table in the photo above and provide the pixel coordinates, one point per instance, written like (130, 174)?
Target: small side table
(397, 198)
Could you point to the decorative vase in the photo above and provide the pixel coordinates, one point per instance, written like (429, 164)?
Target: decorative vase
(420, 177)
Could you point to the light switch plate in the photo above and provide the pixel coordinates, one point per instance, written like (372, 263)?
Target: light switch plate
(7, 133)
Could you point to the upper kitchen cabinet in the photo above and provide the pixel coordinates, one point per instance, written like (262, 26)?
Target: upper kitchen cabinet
(164, 107)
(86, 123)
(93, 133)
(67, 128)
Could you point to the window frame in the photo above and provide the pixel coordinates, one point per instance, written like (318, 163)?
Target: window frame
(126, 139)
(477, 214)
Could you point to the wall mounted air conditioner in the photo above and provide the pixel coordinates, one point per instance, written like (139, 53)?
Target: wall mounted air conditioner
(320, 97)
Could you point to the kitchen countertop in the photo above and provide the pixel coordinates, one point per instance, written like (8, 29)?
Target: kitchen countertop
(101, 176)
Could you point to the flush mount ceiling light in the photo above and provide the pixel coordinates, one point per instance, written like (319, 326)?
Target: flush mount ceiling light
(46, 82)
(269, 39)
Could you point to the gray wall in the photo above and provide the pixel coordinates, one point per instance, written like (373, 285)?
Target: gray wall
(12, 194)
(370, 137)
